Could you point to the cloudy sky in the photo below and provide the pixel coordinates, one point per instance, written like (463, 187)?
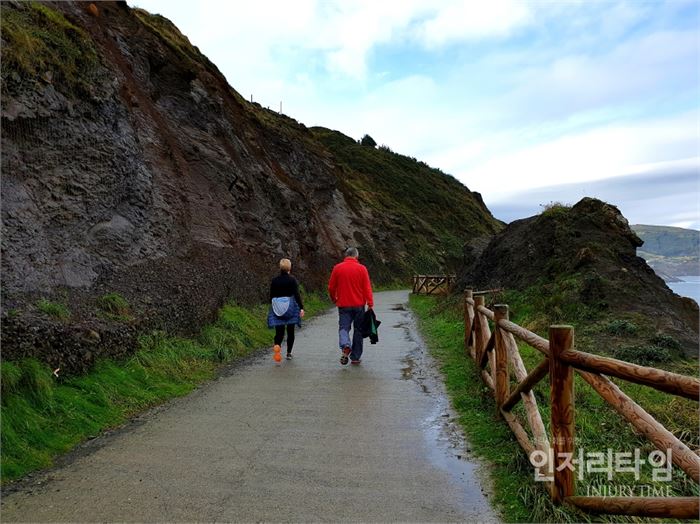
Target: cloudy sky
(525, 102)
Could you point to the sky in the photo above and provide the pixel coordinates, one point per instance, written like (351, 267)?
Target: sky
(526, 102)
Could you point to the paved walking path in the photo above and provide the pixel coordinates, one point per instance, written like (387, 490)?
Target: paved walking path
(306, 440)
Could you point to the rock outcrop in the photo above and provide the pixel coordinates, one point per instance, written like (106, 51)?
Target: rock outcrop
(584, 256)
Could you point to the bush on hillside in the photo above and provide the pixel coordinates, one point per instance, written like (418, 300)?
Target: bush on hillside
(643, 355)
(53, 309)
(554, 209)
(621, 327)
(114, 303)
(368, 141)
(665, 341)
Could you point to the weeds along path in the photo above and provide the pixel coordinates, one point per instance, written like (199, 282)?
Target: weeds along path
(306, 440)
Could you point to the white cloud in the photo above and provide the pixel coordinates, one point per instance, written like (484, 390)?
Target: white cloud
(654, 65)
(343, 32)
(664, 194)
(593, 155)
(464, 20)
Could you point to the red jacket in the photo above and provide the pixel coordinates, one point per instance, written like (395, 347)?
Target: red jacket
(349, 285)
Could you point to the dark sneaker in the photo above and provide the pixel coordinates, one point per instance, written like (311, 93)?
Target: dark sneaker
(289, 356)
(355, 362)
(344, 358)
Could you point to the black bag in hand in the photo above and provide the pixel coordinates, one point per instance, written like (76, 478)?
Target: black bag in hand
(370, 326)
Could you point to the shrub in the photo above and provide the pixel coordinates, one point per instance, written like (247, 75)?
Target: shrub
(554, 209)
(665, 341)
(621, 327)
(644, 355)
(114, 303)
(368, 141)
(53, 309)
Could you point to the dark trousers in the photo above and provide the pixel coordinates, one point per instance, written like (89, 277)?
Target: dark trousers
(347, 317)
(279, 336)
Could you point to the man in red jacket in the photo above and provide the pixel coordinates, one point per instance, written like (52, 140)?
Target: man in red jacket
(350, 289)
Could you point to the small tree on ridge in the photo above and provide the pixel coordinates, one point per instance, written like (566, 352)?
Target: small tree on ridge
(368, 141)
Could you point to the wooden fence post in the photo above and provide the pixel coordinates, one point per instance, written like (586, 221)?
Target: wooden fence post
(479, 345)
(500, 374)
(561, 377)
(468, 293)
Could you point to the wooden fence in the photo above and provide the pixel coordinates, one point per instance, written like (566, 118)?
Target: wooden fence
(433, 284)
(497, 356)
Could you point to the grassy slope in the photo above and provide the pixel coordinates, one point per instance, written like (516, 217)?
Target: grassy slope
(598, 427)
(43, 416)
(630, 336)
(414, 198)
(39, 40)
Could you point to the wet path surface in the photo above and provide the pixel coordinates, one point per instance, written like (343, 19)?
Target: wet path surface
(305, 440)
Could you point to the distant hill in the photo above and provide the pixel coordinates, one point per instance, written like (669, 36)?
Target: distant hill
(670, 251)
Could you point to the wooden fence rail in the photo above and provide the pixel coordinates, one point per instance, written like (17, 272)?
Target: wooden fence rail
(433, 284)
(497, 356)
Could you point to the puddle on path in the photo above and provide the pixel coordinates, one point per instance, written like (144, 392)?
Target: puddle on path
(445, 441)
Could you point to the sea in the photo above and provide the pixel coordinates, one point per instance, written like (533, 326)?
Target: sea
(690, 287)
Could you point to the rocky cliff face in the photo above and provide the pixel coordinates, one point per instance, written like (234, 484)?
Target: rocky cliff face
(131, 166)
(583, 264)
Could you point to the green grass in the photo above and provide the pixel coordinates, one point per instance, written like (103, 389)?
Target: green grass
(598, 427)
(621, 327)
(44, 416)
(643, 355)
(115, 307)
(53, 309)
(189, 57)
(168, 33)
(555, 209)
(38, 39)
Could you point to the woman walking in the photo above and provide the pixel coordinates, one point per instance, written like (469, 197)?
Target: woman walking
(286, 307)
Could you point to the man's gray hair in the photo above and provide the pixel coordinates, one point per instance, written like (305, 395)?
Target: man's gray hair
(352, 252)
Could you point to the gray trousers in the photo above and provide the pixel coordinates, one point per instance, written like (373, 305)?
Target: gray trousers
(347, 317)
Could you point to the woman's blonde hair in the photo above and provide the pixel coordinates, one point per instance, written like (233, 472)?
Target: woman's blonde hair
(286, 265)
